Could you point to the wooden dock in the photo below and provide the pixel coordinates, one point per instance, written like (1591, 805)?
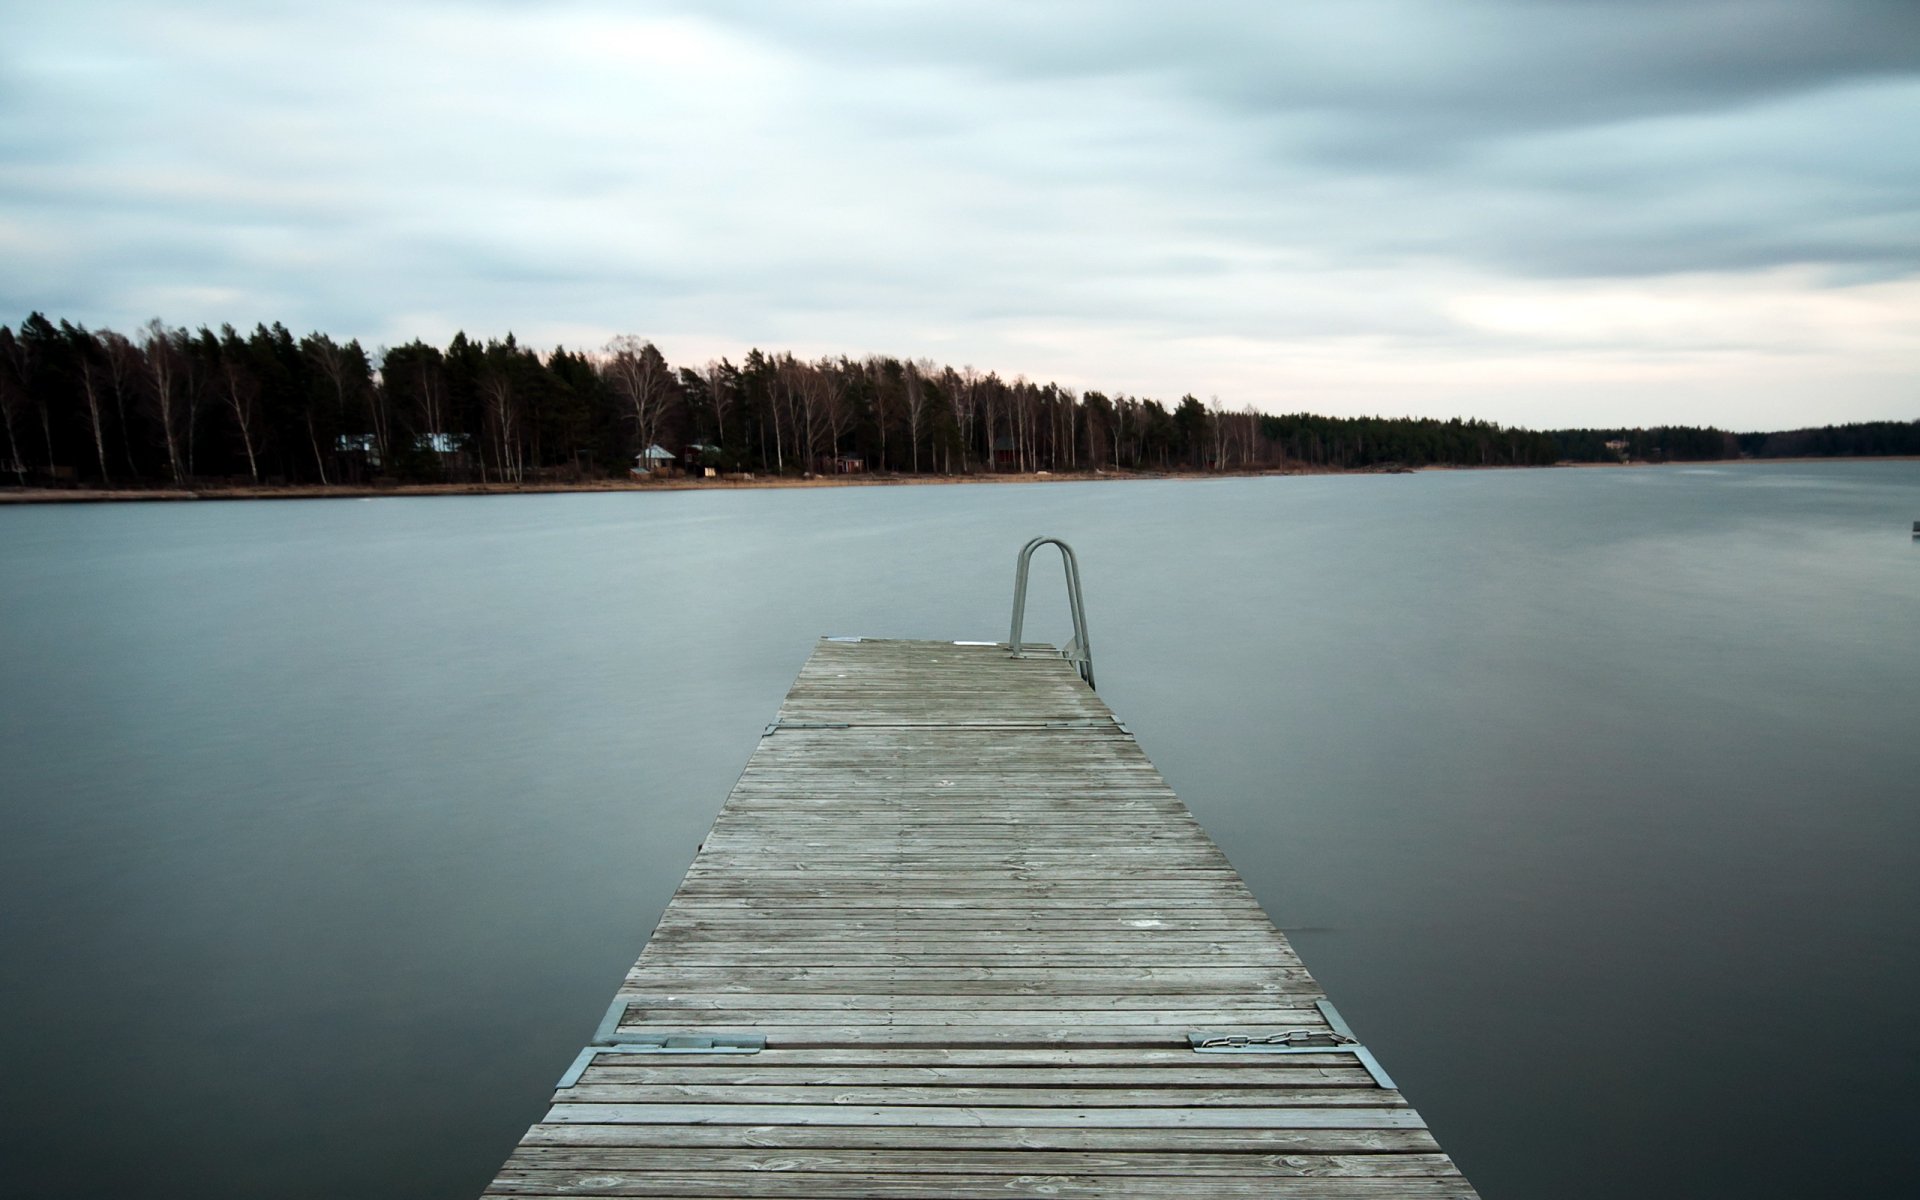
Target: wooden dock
(975, 929)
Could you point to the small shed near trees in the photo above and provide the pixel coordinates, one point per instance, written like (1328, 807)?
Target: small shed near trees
(654, 458)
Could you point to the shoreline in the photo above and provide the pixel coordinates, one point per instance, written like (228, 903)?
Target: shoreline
(349, 491)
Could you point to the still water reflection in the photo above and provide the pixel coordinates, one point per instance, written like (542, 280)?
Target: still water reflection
(327, 828)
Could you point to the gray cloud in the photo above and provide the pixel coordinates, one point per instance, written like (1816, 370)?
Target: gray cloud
(1544, 110)
(1472, 66)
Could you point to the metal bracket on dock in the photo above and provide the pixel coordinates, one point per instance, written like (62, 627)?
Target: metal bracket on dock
(1336, 1039)
(608, 1038)
(664, 1043)
(1091, 723)
(777, 726)
(1293, 1041)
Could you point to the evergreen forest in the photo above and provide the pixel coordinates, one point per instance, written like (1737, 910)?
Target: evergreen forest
(178, 407)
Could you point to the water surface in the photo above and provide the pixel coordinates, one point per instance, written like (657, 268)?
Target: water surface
(328, 828)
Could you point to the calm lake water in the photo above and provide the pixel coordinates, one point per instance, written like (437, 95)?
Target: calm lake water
(1593, 796)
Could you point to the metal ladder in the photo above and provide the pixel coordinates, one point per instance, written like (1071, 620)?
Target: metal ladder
(1079, 651)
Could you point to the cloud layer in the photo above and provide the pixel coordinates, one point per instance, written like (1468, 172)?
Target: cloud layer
(1582, 212)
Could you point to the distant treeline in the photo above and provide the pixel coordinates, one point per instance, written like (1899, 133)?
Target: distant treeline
(1680, 443)
(209, 407)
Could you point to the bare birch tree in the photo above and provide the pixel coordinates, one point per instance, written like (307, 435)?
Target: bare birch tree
(638, 374)
(496, 390)
(990, 394)
(432, 404)
(832, 379)
(913, 374)
(15, 374)
(796, 397)
(122, 364)
(883, 402)
(1069, 410)
(336, 364)
(162, 376)
(1221, 425)
(1020, 412)
(720, 395)
(241, 392)
(90, 390)
(198, 362)
(962, 388)
(13, 401)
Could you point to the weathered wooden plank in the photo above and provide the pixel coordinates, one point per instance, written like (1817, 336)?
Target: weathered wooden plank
(821, 958)
(984, 1018)
(974, 1117)
(1188, 1164)
(1071, 910)
(632, 1070)
(1256, 1003)
(878, 1186)
(958, 1034)
(907, 1137)
(828, 993)
(1160, 1057)
(589, 1091)
(1003, 978)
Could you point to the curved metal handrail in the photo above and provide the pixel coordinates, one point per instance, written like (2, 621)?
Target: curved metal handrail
(1079, 651)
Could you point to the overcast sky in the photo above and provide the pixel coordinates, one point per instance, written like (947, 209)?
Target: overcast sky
(1549, 213)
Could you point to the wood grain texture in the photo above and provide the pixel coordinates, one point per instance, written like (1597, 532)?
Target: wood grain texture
(975, 927)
